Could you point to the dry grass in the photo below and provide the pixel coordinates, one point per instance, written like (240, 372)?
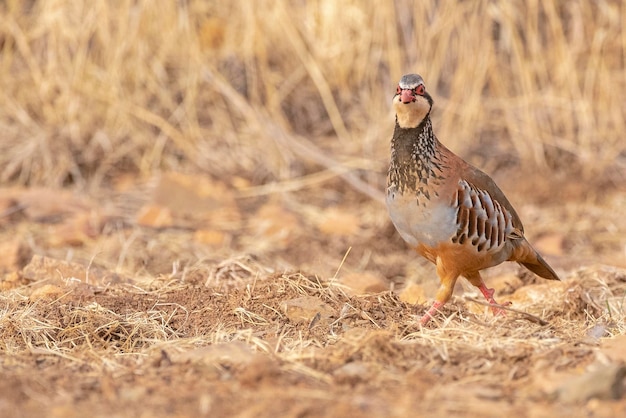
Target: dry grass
(284, 108)
(91, 89)
(133, 341)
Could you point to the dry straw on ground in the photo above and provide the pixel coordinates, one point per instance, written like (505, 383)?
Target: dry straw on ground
(93, 88)
(190, 218)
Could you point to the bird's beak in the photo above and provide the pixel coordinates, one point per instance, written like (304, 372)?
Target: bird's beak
(407, 96)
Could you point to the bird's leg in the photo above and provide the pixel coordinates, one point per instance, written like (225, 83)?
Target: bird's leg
(443, 294)
(488, 293)
(477, 281)
(433, 309)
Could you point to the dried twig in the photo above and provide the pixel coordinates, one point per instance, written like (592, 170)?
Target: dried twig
(525, 315)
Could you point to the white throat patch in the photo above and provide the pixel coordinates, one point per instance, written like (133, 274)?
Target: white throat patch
(410, 115)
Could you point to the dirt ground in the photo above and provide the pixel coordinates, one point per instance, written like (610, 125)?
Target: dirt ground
(200, 333)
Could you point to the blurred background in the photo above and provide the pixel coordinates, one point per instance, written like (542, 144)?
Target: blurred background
(281, 111)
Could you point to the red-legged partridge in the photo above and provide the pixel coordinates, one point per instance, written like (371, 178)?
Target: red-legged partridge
(449, 211)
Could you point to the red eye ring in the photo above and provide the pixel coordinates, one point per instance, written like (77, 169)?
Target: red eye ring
(420, 89)
(398, 90)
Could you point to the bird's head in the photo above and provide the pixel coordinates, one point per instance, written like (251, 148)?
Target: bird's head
(411, 103)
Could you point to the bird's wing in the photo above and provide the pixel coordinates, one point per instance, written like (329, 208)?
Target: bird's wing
(482, 181)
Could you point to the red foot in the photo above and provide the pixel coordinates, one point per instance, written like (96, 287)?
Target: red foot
(488, 293)
(497, 311)
(428, 315)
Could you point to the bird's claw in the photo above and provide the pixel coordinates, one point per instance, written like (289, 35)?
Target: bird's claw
(496, 310)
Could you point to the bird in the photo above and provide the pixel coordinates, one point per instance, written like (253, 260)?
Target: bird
(449, 211)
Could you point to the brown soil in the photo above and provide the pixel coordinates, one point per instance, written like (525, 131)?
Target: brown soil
(194, 332)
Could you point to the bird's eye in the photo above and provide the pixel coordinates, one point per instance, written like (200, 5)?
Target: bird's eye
(398, 90)
(419, 89)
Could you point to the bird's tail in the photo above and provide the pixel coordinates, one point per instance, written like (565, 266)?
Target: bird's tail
(528, 257)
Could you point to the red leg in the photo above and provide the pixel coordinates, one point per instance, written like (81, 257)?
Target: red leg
(477, 281)
(433, 309)
(488, 293)
(444, 293)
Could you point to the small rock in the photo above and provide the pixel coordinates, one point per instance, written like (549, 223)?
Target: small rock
(364, 283)
(260, 372)
(77, 229)
(304, 309)
(605, 382)
(46, 268)
(337, 221)
(210, 237)
(195, 200)
(48, 291)
(596, 332)
(413, 294)
(538, 294)
(552, 244)
(155, 216)
(14, 255)
(272, 226)
(352, 373)
(44, 204)
(235, 352)
(63, 272)
(614, 348)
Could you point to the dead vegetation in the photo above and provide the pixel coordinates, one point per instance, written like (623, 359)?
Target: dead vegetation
(267, 335)
(259, 92)
(190, 218)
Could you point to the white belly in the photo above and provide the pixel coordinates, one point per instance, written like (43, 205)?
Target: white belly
(417, 224)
